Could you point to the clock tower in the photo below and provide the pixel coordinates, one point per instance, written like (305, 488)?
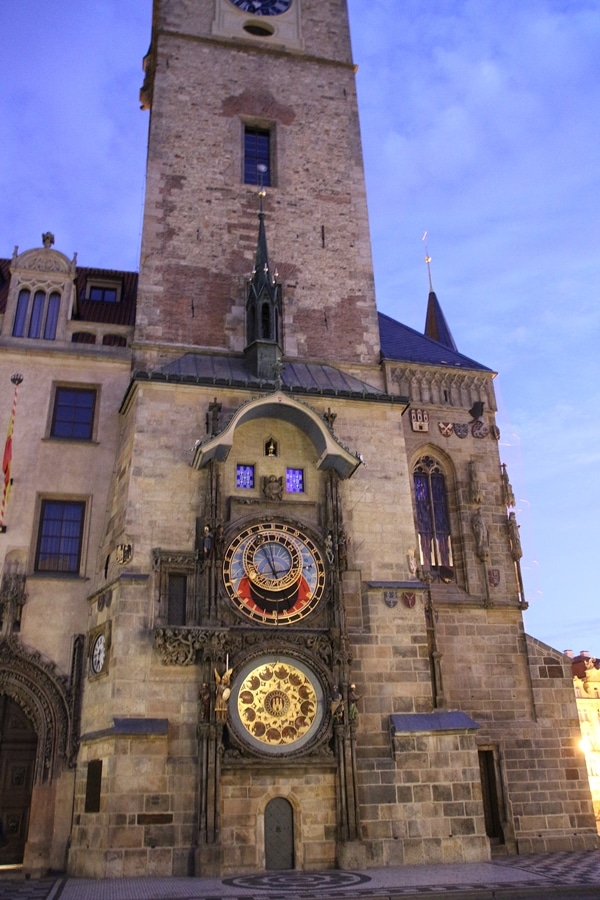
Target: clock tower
(305, 623)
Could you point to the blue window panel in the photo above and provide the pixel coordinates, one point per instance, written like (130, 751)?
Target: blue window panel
(37, 314)
(51, 317)
(294, 481)
(244, 477)
(21, 314)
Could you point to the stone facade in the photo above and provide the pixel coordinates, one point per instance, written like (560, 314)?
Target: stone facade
(274, 587)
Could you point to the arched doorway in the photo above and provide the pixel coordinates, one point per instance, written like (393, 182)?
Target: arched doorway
(279, 834)
(18, 747)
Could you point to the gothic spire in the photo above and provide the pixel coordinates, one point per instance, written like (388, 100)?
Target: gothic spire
(263, 308)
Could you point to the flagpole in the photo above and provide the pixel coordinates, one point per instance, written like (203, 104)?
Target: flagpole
(7, 458)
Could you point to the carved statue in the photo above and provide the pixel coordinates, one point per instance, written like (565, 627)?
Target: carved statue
(213, 417)
(204, 698)
(223, 694)
(329, 547)
(515, 538)
(273, 487)
(207, 543)
(353, 699)
(47, 239)
(343, 550)
(337, 704)
(482, 537)
(475, 494)
(507, 491)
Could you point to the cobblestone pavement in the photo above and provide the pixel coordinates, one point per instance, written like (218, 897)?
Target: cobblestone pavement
(541, 877)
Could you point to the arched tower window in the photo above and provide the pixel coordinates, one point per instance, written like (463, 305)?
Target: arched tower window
(265, 316)
(433, 522)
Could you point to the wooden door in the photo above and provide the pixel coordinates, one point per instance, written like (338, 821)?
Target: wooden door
(18, 745)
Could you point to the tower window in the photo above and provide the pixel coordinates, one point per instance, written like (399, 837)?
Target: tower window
(433, 523)
(257, 152)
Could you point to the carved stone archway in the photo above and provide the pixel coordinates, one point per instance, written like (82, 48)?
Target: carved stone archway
(48, 699)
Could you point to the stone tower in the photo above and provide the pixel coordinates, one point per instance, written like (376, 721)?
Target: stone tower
(291, 635)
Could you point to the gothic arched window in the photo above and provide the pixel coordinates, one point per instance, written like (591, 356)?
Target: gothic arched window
(433, 522)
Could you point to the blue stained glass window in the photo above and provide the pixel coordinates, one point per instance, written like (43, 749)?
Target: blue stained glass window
(294, 481)
(244, 476)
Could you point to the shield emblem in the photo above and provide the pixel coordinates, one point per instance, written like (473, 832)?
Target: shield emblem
(494, 577)
(123, 553)
(446, 428)
(461, 430)
(480, 430)
(409, 599)
(390, 598)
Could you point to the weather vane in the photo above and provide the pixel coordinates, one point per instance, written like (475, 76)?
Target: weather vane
(427, 260)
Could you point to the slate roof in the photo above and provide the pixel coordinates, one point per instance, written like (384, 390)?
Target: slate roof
(399, 342)
(436, 326)
(299, 377)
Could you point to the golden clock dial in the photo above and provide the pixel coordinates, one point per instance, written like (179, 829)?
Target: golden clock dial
(274, 573)
(277, 704)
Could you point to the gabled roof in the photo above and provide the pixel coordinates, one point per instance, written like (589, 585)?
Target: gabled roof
(399, 342)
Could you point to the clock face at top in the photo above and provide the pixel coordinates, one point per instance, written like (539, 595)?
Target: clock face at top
(263, 7)
(273, 573)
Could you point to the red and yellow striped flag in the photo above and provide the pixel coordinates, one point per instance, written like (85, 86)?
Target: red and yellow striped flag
(7, 456)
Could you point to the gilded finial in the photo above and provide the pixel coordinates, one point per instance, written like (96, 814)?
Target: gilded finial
(427, 260)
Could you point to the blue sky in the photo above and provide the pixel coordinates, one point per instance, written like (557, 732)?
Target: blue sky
(480, 124)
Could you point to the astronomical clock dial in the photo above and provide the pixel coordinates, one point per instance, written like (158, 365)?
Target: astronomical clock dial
(276, 705)
(263, 7)
(274, 573)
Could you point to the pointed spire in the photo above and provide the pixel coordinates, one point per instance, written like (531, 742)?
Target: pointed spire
(263, 308)
(436, 326)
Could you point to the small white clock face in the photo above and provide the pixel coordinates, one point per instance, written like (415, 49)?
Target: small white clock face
(263, 7)
(98, 654)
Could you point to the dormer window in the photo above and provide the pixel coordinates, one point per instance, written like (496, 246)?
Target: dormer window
(103, 291)
(36, 317)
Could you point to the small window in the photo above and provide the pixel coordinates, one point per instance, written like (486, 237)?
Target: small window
(93, 786)
(83, 337)
(73, 416)
(294, 481)
(176, 599)
(257, 156)
(114, 340)
(244, 477)
(60, 536)
(103, 294)
(39, 318)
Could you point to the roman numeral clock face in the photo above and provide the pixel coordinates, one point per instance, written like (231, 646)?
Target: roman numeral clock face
(274, 573)
(263, 7)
